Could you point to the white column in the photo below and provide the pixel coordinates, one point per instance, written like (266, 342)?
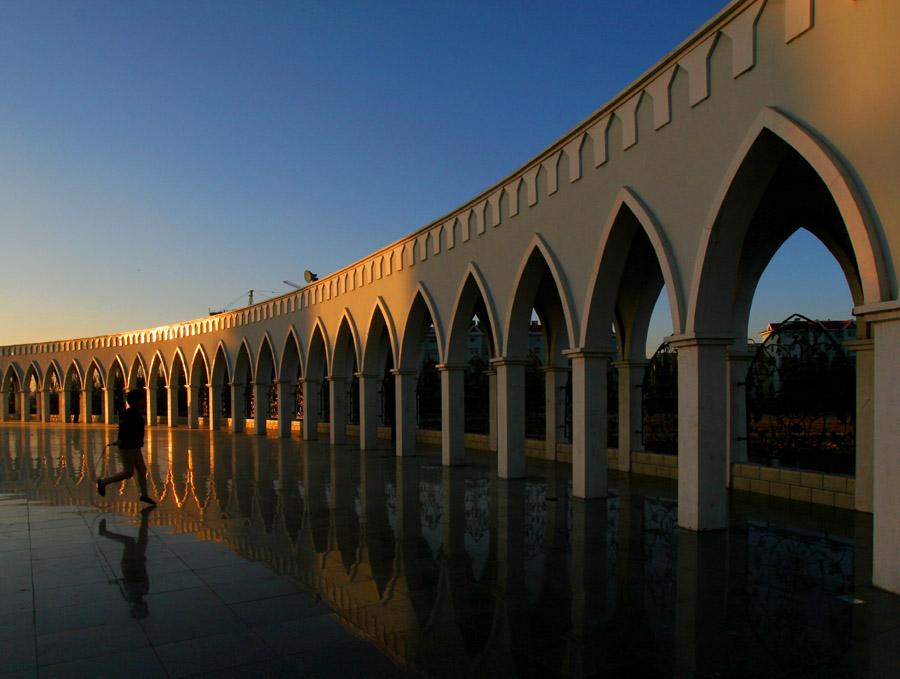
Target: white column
(368, 411)
(311, 396)
(4, 405)
(337, 397)
(171, 406)
(25, 409)
(260, 407)
(510, 417)
(87, 405)
(44, 403)
(453, 414)
(215, 407)
(492, 405)
(109, 411)
(65, 405)
(237, 407)
(554, 407)
(405, 415)
(738, 365)
(151, 406)
(702, 432)
(285, 408)
(631, 410)
(589, 423)
(193, 406)
(886, 499)
(865, 450)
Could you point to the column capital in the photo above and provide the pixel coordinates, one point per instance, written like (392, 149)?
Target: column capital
(509, 360)
(444, 368)
(858, 345)
(489, 372)
(587, 354)
(879, 311)
(630, 364)
(555, 369)
(692, 339)
(232, 384)
(741, 355)
(367, 376)
(311, 380)
(402, 373)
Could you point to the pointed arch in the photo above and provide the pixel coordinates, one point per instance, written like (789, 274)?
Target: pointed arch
(131, 377)
(53, 367)
(158, 366)
(318, 356)
(757, 157)
(411, 341)
(291, 356)
(380, 322)
(199, 359)
(526, 287)
(470, 288)
(74, 368)
(13, 373)
(96, 366)
(178, 356)
(34, 368)
(265, 359)
(606, 272)
(221, 365)
(346, 346)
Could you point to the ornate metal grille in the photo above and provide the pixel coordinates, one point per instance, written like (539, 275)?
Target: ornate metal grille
(795, 580)
(428, 397)
(801, 389)
(659, 398)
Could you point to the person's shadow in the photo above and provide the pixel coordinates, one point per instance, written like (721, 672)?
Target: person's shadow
(135, 582)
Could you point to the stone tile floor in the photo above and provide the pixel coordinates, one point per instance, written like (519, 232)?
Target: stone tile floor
(278, 558)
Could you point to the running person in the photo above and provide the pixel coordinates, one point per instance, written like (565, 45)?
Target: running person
(130, 442)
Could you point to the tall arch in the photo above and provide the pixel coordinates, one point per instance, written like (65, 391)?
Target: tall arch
(263, 384)
(219, 386)
(770, 139)
(290, 391)
(318, 358)
(378, 360)
(345, 360)
(630, 228)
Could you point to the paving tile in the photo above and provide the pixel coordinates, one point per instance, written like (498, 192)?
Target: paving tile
(141, 663)
(216, 652)
(88, 642)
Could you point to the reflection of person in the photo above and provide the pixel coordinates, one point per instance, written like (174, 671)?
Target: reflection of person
(130, 442)
(135, 581)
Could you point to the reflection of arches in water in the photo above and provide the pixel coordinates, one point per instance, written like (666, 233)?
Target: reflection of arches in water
(431, 508)
(660, 550)
(794, 578)
(535, 534)
(477, 539)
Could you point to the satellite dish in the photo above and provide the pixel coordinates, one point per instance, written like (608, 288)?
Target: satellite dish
(309, 276)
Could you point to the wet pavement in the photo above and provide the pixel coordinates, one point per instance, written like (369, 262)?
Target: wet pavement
(278, 558)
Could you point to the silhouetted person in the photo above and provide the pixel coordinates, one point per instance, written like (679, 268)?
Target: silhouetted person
(130, 442)
(135, 581)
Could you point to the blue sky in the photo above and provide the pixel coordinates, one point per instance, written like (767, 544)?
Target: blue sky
(158, 159)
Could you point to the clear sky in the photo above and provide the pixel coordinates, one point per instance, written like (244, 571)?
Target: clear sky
(160, 159)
